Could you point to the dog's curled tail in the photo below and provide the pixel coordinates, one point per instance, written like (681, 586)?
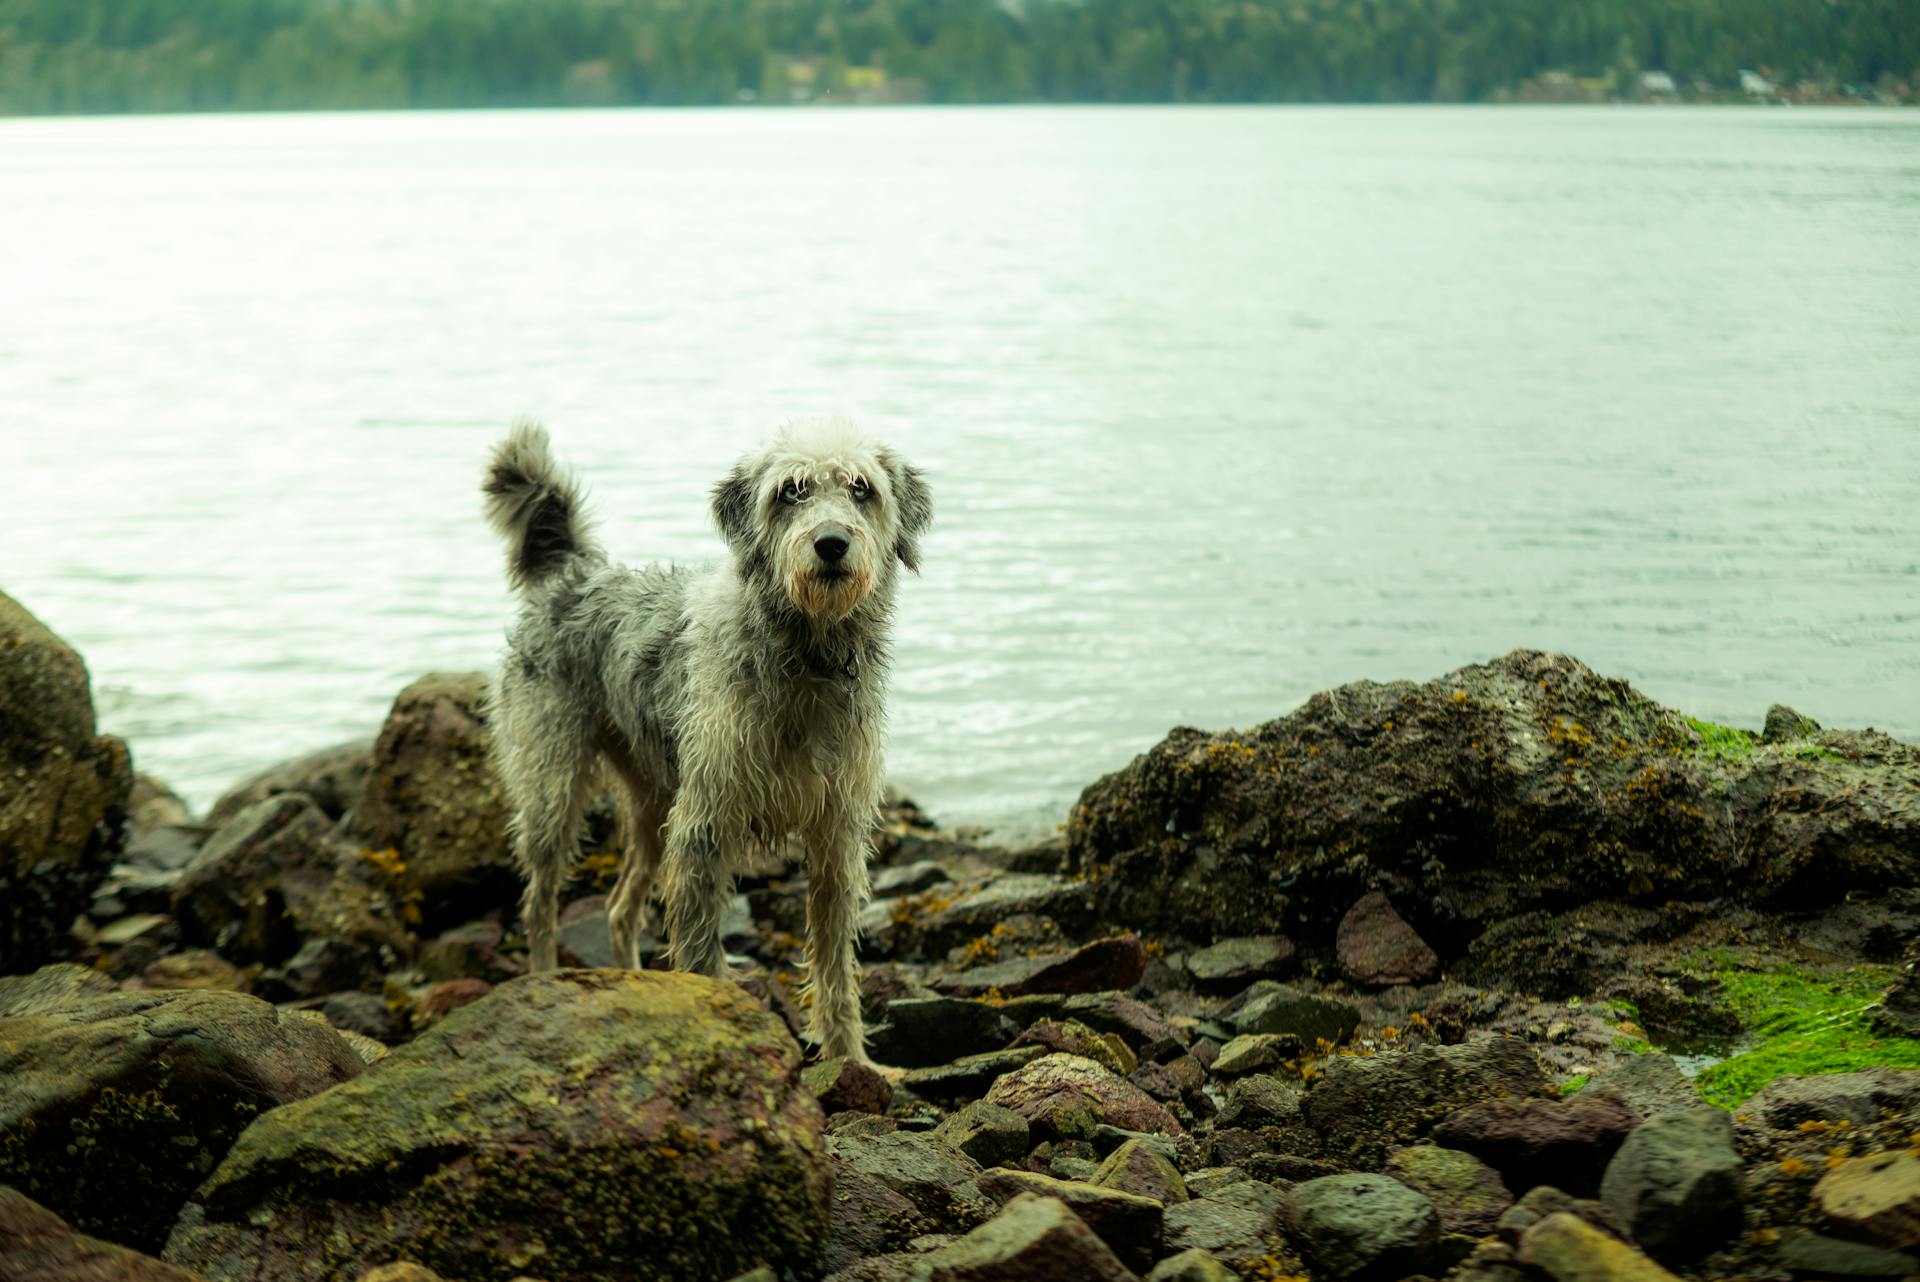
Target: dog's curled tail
(535, 504)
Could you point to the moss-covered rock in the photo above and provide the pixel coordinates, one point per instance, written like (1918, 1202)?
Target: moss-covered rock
(573, 1124)
(63, 808)
(1469, 1195)
(1527, 782)
(432, 796)
(113, 1105)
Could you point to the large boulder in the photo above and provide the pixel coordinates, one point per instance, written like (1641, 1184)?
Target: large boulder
(567, 1120)
(432, 796)
(63, 808)
(1527, 782)
(113, 1105)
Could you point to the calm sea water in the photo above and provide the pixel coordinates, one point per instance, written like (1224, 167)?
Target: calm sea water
(1221, 406)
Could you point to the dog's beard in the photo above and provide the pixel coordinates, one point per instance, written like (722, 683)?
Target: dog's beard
(829, 597)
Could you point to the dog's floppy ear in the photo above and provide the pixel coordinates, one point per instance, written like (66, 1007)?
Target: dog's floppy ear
(915, 504)
(733, 506)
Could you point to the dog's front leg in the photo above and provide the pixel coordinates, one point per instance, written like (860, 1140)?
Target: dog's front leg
(837, 889)
(698, 884)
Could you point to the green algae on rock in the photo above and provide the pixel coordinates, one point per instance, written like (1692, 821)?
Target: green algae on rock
(575, 1124)
(1808, 1020)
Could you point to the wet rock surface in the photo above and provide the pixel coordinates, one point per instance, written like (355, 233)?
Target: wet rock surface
(1377, 947)
(115, 1105)
(1240, 1224)
(1126, 1222)
(63, 807)
(593, 1113)
(987, 1133)
(922, 1031)
(1232, 964)
(1068, 1096)
(275, 878)
(1877, 1198)
(1468, 1195)
(1362, 1227)
(1363, 1106)
(1402, 1034)
(334, 779)
(1102, 965)
(431, 795)
(1564, 1143)
(1035, 1238)
(38, 1246)
(1568, 1249)
(1677, 1184)
(1495, 789)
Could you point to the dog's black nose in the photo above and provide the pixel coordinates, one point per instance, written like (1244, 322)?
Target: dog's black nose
(830, 548)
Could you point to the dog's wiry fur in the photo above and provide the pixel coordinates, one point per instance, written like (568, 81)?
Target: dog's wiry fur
(727, 706)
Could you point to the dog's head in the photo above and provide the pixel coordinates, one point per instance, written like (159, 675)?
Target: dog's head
(823, 515)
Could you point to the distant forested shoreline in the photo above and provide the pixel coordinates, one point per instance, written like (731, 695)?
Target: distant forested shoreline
(95, 56)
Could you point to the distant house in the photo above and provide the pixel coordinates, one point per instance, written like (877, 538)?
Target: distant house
(867, 84)
(1564, 86)
(1657, 82)
(1756, 85)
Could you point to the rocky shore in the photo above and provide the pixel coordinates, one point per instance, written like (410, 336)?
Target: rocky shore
(1509, 976)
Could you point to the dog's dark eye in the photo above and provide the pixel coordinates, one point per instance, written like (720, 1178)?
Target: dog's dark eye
(791, 492)
(861, 490)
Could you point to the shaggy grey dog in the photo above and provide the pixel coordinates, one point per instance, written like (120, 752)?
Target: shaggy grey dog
(726, 706)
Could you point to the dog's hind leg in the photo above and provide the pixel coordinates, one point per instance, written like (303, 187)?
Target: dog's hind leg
(548, 773)
(837, 889)
(642, 814)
